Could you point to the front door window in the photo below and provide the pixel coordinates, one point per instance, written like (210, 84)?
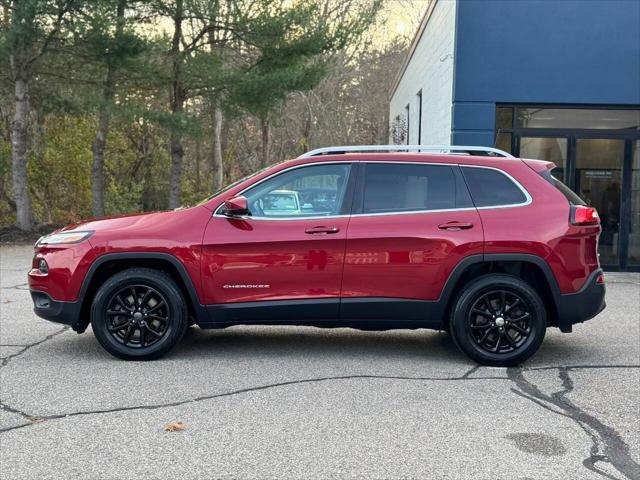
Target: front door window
(313, 191)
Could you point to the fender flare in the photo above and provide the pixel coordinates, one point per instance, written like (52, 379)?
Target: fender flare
(448, 290)
(199, 309)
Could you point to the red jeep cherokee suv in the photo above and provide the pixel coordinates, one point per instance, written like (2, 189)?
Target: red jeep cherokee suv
(469, 240)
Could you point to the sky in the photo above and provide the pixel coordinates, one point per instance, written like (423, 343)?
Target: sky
(400, 17)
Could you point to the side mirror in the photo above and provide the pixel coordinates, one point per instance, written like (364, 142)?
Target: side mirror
(236, 206)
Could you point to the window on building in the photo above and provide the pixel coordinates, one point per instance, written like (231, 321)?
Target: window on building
(593, 150)
(504, 118)
(547, 148)
(504, 126)
(405, 188)
(419, 117)
(578, 118)
(399, 130)
(492, 188)
(406, 111)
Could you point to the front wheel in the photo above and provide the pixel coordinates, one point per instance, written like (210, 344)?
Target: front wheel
(139, 314)
(498, 320)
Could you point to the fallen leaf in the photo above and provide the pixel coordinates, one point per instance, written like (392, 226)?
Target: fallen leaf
(174, 427)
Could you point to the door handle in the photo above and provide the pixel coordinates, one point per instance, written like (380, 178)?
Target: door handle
(455, 226)
(321, 230)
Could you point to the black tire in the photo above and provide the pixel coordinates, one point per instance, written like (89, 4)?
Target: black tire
(145, 328)
(486, 316)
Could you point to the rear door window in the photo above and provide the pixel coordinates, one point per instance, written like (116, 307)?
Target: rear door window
(492, 188)
(401, 187)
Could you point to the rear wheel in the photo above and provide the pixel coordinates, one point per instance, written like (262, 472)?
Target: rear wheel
(139, 314)
(498, 320)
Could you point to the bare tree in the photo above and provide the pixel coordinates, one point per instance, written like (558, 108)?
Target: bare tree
(35, 24)
(104, 116)
(216, 148)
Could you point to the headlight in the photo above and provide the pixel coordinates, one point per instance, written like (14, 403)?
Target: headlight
(64, 237)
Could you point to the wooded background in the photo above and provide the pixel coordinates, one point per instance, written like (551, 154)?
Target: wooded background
(114, 106)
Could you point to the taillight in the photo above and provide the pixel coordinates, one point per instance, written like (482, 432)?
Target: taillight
(581, 215)
(600, 279)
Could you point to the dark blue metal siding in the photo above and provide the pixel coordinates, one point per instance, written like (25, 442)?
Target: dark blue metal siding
(541, 51)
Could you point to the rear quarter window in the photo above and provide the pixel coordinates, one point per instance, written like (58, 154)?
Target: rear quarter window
(569, 194)
(492, 188)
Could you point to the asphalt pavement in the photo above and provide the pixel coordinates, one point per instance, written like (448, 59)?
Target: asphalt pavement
(302, 402)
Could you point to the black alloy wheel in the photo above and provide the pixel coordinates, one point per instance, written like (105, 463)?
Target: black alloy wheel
(498, 320)
(139, 314)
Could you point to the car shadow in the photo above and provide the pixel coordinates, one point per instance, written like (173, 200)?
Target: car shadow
(310, 342)
(241, 343)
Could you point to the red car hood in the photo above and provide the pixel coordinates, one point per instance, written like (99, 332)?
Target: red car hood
(115, 222)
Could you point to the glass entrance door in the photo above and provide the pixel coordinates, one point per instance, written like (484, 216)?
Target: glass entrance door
(634, 217)
(597, 154)
(598, 180)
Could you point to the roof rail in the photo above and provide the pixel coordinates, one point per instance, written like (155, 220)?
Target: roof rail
(446, 149)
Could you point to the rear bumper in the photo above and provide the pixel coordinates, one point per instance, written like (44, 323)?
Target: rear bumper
(583, 305)
(45, 307)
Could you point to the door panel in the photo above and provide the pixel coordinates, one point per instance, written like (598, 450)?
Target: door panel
(292, 245)
(402, 254)
(248, 260)
(407, 255)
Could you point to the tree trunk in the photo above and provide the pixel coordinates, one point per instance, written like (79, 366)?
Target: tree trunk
(265, 128)
(144, 148)
(100, 142)
(176, 98)
(216, 148)
(39, 147)
(18, 59)
(24, 218)
(177, 153)
(198, 182)
(306, 128)
(104, 117)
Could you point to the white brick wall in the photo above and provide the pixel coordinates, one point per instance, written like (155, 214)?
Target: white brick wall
(430, 69)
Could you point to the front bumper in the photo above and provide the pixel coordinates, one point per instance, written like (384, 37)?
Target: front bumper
(583, 305)
(56, 311)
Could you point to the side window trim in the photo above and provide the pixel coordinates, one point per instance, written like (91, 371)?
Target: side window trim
(358, 194)
(524, 191)
(345, 198)
(349, 197)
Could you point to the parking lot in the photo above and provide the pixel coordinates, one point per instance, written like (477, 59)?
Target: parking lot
(297, 402)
